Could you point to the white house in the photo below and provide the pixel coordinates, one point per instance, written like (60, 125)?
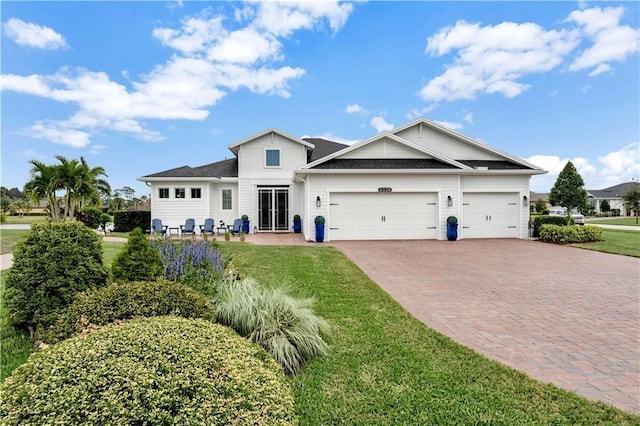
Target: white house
(402, 184)
(614, 196)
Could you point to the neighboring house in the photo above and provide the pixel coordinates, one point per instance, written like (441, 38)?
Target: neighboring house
(540, 196)
(401, 184)
(613, 195)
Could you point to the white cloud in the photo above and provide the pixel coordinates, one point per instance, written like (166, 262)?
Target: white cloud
(467, 116)
(353, 109)
(381, 125)
(621, 165)
(554, 93)
(586, 88)
(611, 41)
(96, 149)
(450, 124)
(600, 69)
(209, 62)
(33, 35)
(497, 58)
(492, 59)
(417, 113)
(613, 168)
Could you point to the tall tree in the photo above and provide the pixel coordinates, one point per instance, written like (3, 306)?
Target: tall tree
(43, 184)
(605, 206)
(632, 200)
(68, 172)
(89, 188)
(568, 191)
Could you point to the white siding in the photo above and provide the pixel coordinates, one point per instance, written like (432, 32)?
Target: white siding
(216, 211)
(445, 144)
(385, 148)
(251, 158)
(174, 211)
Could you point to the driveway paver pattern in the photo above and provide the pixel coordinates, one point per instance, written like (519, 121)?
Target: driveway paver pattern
(562, 315)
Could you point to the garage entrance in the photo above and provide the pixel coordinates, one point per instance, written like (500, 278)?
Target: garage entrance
(489, 215)
(383, 216)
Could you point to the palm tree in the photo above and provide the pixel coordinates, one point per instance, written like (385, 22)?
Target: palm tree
(68, 172)
(89, 186)
(43, 184)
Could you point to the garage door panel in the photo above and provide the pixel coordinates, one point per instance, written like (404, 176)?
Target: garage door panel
(489, 215)
(383, 215)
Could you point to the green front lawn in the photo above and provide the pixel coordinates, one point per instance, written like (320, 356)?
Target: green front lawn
(628, 221)
(386, 367)
(616, 242)
(25, 219)
(9, 238)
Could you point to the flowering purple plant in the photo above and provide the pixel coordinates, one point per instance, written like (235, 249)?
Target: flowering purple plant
(195, 263)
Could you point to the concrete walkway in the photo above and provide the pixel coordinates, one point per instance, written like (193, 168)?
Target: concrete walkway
(619, 227)
(562, 315)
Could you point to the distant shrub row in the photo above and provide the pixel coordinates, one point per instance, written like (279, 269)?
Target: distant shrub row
(538, 221)
(128, 221)
(570, 234)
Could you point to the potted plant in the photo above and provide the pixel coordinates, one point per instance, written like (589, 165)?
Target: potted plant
(297, 224)
(245, 223)
(452, 228)
(319, 221)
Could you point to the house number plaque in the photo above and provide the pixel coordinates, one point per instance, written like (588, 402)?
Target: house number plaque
(385, 189)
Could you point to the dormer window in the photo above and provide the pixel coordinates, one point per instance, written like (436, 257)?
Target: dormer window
(272, 158)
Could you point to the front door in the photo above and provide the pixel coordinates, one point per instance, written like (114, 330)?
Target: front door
(273, 209)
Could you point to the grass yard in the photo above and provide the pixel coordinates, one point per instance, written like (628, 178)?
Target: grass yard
(628, 221)
(9, 238)
(386, 367)
(11, 220)
(616, 242)
(15, 346)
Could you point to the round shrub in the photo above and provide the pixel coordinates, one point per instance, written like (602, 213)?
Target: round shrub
(53, 263)
(138, 260)
(570, 234)
(152, 371)
(125, 300)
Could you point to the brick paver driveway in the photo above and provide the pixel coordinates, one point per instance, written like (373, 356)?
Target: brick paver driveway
(561, 314)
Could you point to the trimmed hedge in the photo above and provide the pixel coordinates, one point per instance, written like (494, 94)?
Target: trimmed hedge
(152, 371)
(549, 220)
(570, 234)
(128, 221)
(91, 217)
(54, 262)
(119, 301)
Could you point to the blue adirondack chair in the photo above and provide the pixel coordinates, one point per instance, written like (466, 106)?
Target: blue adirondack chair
(157, 227)
(189, 227)
(209, 227)
(237, 227)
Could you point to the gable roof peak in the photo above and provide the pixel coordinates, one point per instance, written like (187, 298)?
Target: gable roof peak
(234, 146)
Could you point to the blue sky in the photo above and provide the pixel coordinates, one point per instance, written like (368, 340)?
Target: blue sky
(143, 87)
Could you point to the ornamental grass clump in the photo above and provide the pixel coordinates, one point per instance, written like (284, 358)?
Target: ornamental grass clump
(198, 264)
(126, 300)
(151, 371)
(285, 327)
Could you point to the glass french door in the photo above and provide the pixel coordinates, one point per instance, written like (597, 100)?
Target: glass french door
(273, 209)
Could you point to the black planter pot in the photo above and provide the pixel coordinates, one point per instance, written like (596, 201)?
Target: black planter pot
(319, 232)
(245, 226)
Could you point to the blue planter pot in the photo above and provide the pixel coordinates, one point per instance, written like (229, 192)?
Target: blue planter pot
(452, 231)
(245, 226)
(297, 226)
(319, 232)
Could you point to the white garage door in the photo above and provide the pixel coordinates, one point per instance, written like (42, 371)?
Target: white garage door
(489, 215)
(382, 216)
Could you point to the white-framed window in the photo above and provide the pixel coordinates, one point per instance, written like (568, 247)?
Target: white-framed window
(272, 157)
(227, 199)
(163, 192)
(180, 193)
(196, 193)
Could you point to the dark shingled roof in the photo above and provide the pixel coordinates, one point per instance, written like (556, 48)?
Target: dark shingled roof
(224, 168)
(401, 163)
(615, 191)
(323, 148)
(494, 164)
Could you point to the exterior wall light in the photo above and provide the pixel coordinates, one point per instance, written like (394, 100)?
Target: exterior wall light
(449, 201)
(318, 202)
(525, 200)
